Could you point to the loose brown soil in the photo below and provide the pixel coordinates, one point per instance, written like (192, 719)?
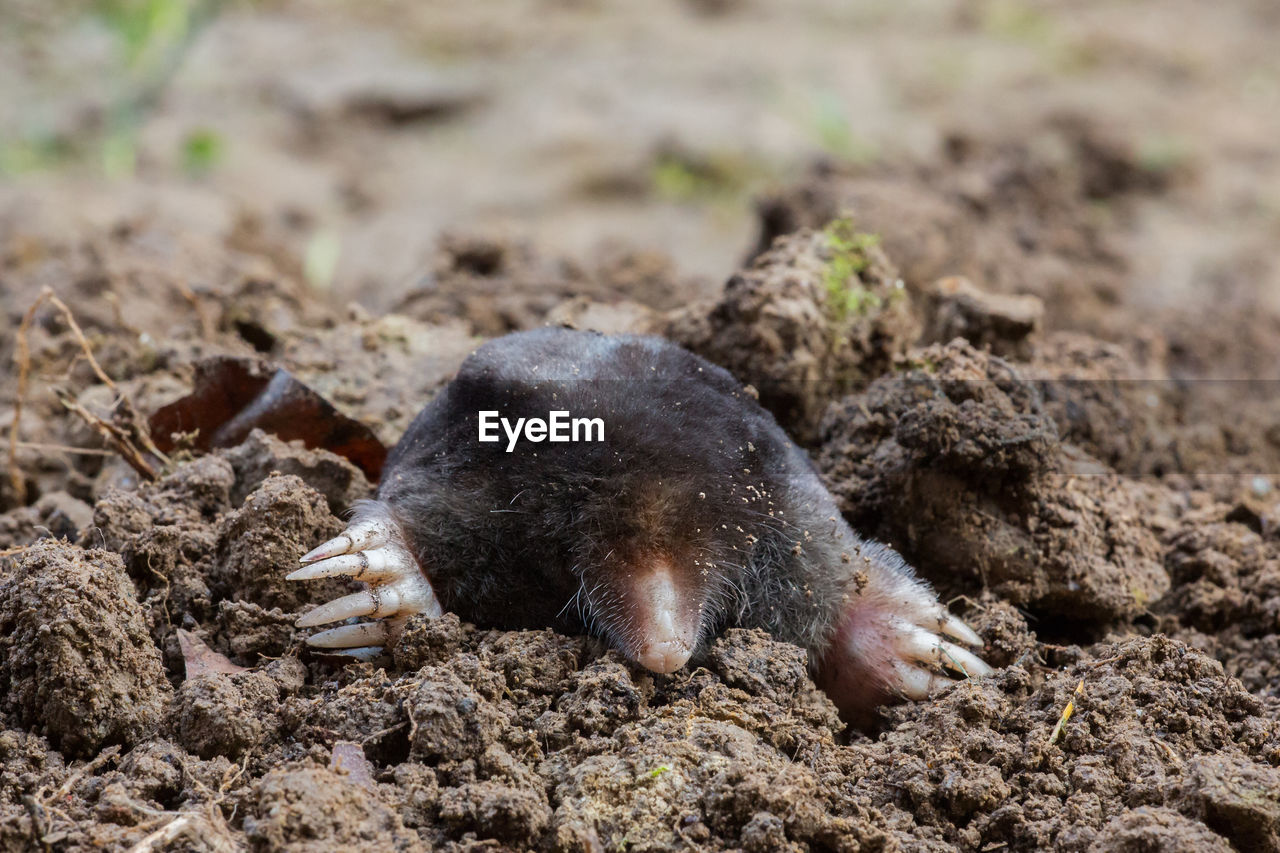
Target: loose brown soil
(1029, 381)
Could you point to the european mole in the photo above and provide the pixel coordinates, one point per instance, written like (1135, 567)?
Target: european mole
(693, 514)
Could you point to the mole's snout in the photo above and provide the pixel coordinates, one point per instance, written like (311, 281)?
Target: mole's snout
(666, 621)
(664, 656)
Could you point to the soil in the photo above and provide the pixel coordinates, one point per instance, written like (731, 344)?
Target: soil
(1026, 328)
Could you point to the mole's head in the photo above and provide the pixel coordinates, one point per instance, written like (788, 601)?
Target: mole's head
(661, 555)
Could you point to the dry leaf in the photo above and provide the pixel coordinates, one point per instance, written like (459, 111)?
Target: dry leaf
(202, 660)
(233, 396)
(348, 757)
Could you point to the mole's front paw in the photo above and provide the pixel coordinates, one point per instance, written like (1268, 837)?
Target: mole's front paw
(891, 644)
(371, 550)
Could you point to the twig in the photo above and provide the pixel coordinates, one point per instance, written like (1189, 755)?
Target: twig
(171, 831)
(122, 438)
(204, 823)
(47, 293)
(139, 427)
(1066, 713)
(65, 788)
(65, 448)
(382, 733)
(112, 434)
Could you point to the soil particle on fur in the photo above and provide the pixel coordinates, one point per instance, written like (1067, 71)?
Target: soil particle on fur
(76, 662)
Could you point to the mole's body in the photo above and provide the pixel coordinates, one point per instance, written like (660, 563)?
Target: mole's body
(680, 509)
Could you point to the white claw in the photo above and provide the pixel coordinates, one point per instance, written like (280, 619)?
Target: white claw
(366, 653)
(915, 682)
(373, 550)
(364, 535)
(406, 596)
(363, 603)
(964, 661)
(953, 627)
(918, 644)
(352, 636)
(373, 565)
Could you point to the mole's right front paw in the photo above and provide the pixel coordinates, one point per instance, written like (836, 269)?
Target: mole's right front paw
(370, 550)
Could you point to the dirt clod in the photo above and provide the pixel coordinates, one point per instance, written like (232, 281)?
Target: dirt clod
(820, 313)
(956, 462)
(76, 661)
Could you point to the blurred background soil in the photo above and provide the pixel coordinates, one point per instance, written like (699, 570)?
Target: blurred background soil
(1007, 269)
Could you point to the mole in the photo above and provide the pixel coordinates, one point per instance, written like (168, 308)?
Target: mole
(688, 512)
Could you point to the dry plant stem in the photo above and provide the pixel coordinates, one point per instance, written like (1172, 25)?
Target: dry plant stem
(63, 448)
(65, 788)
(131, 415)
(22, 356)
(112, 434)
(1066, 712)
(48, 294)
(120, 438)
(210, 829)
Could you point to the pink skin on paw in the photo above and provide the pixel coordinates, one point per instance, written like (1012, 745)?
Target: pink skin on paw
(856, 670)
(876, 657)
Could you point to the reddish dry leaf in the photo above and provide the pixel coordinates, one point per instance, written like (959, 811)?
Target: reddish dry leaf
(202, 660)
(233, 396)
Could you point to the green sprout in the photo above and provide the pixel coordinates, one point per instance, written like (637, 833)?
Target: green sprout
(202, 149)
(145, 29)
(715, 175)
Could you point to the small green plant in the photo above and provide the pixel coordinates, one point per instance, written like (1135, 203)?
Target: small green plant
(202, 149)
(32, 153)
(705, 176)
(145, 29)
(846, 297)
(673, 179)
(658, 771)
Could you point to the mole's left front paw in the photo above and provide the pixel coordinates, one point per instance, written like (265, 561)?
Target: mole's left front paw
(370, 550)
(893, 645)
